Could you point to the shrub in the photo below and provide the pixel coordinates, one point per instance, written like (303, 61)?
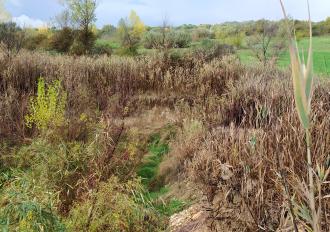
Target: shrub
(236, 40)
(28, 205)
(35, 40)
(48, 107)
(152, 39)
(128, 51)
(173, 39)
(11, 38)
(115, 207)
(181, 39)
(83, 43)
(102, 49)
(62, 169)
(210, 50)
(77, 48)
(202, 33)
(62, 40)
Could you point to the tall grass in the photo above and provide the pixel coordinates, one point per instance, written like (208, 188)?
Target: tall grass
(235, 121)
(303, 79)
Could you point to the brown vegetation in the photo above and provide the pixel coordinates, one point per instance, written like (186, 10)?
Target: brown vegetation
(239, 129)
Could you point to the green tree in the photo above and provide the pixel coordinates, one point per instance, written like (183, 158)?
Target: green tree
(107, 31)
(130, 30)
(138, 27)
(325, 26)
(62, 40)
(82, 15)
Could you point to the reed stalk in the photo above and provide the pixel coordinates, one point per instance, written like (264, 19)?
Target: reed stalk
(303, 78)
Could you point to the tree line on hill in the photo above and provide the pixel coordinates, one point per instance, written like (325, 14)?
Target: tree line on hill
(74, 32)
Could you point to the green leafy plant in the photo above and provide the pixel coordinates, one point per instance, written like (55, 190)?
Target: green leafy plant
(48, 107)
(116, 206)
(28, 205)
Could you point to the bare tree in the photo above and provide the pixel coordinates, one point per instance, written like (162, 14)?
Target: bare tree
(165, 29)
(266, 44)
(63, 20)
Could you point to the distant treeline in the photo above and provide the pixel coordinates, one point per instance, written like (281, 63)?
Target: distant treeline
(131, 34)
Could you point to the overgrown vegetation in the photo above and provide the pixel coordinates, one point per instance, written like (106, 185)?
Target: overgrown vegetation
(124, 143)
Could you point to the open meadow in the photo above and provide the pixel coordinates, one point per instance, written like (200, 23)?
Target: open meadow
(321, 49)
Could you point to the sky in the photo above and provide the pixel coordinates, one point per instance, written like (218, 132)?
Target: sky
(40, 12)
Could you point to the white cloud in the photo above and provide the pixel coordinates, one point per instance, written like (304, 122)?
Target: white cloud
(26, 21)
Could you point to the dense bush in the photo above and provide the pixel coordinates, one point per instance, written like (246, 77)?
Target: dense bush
(83, 42)
(11, 38)
(152, 39)
(37, 41)
(258, 110)
(115, 207)
(28, 204)
(180, 39)
(57, 166)
(210, 50)
(202, 33)
(230, 115)
(91, 82)
(170, 39)
(62, 40)
(102, 49)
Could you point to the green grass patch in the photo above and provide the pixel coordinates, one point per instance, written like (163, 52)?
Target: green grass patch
(321, 55)
(247, 56)
(321, 61)
(149, 168)
(110, 43)
(169, 207)
(172, 207)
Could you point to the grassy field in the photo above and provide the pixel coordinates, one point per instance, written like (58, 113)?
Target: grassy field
(110, 43)
(321, 47)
